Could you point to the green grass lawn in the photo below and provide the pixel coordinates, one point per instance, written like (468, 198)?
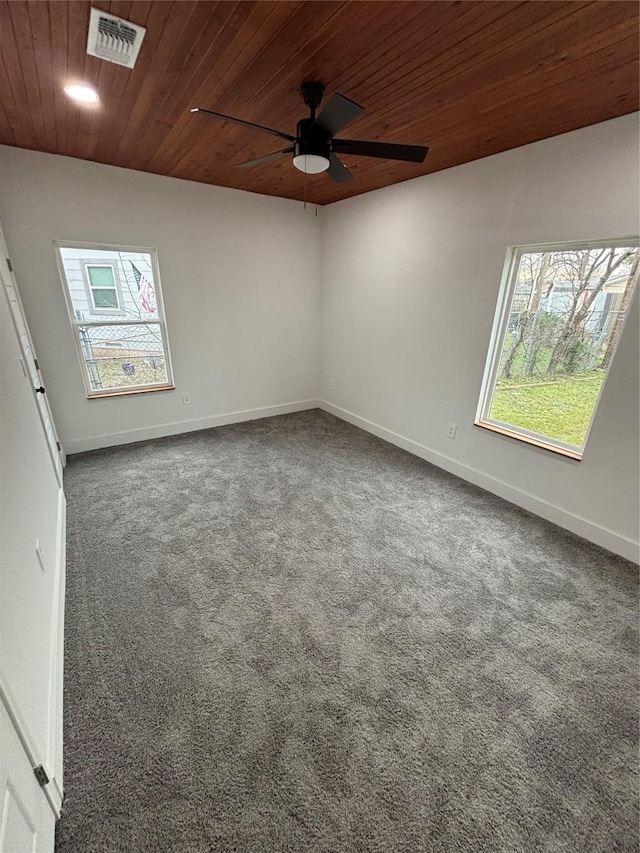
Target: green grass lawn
(560, 410)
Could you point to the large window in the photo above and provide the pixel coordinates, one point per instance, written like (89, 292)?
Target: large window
(115, 306)
(560, 314)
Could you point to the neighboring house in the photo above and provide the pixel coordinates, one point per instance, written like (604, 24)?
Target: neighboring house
(104, 286)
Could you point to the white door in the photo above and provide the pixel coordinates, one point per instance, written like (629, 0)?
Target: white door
(30, 363)
(27, 823)
(32, 533)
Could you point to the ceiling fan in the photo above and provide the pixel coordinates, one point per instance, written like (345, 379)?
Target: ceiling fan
(314, 147)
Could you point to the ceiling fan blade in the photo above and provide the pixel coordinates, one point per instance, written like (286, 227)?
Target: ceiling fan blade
(336, 115)
(244, 123)
(387, 150)
(337, 171)
(264, 159)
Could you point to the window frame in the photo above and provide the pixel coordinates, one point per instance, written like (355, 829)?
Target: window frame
(499, 332)
(95, 309)
(160, 321)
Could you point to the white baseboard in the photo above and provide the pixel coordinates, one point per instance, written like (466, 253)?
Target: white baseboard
(589, 530)
(112, 439)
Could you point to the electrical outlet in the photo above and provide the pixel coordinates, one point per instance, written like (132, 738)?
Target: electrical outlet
(451, 430)
(186, 398)
(332, 385)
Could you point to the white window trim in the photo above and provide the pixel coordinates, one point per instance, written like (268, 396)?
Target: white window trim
(122, 390)
(496, 344)
(94, 308)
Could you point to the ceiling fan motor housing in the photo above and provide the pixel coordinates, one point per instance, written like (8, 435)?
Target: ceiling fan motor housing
(308, 142)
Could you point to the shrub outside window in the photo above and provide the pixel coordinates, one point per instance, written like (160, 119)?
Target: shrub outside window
(114, 300)
(560, 314)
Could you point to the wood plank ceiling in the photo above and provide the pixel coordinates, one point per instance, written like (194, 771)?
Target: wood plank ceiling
(468, 79)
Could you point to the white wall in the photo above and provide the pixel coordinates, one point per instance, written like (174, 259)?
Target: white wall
(241, 282)
(410, 282)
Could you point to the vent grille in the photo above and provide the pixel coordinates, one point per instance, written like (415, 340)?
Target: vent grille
(113, 39)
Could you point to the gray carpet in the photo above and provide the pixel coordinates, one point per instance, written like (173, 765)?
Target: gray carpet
(287, 635)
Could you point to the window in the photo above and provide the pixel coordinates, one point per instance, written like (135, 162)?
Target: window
(560, 315)
(115, 307)
(102, 286)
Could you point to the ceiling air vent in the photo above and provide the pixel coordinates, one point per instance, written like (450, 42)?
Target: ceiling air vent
(114, 39)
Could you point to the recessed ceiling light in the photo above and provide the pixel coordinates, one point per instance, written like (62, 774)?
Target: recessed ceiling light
(82, 93)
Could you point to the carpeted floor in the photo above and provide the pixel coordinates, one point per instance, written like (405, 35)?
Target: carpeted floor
(287, 635)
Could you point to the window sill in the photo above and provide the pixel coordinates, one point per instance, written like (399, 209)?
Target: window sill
(536, 442)
(127, 392)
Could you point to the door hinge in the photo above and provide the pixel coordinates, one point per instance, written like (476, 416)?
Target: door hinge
(41, 775)
(59, 446)
(35, 361)
(9, 264)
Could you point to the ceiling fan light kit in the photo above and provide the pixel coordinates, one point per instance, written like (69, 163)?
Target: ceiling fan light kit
(315, 145)
(311, 164)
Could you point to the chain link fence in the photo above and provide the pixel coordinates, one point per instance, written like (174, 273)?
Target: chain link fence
(123, 355)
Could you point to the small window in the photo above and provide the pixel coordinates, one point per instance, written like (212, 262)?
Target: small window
(115, 307)
(560, 314)
(102, 286)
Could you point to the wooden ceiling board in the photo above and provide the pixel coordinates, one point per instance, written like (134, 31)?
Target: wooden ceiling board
(259, 29)
(218, 39)
(468, 79)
